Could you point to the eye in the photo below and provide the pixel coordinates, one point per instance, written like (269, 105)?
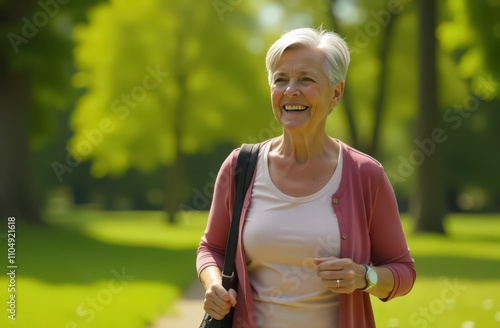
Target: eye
(306, 80)
(280, 80)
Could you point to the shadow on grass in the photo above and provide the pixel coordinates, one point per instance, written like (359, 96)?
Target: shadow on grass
(58, 255)
(475, 238)
(61, 256)
(456, 266)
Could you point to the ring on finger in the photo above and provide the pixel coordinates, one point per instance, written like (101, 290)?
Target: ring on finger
(338, 283)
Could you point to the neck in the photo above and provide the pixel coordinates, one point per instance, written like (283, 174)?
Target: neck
(305, 147)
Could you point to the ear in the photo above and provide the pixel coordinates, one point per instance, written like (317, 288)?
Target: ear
(338, 91)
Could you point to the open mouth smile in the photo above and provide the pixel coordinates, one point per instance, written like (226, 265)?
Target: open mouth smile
(295, 108)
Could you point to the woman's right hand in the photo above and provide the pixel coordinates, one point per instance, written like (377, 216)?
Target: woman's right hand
(218, 301)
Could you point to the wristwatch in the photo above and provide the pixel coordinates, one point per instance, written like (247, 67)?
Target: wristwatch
(371, 277)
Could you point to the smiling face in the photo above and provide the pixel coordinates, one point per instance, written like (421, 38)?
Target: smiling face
(301, 93)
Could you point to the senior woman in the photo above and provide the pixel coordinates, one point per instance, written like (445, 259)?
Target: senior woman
(320, 227)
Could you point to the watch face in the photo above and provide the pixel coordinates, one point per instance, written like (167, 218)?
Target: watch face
(372, 276)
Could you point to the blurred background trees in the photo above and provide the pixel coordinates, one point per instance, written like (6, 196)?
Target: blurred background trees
(134, 105)
(35, 67)
(163, 91)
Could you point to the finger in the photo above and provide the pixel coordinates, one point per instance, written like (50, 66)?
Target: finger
(319, 260)
(216, 307)
(344, 287)
(333, 286)
(222, 310)
(232, 297)
(222, 293)
(332, 275)
(331, 265)
(218, 298)
(216, 313)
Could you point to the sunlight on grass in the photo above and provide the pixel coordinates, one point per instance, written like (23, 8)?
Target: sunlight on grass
(102, 269)
(69, 272)
(103, 304)
(465, 234)
(139, 228)
(442, 302)
(458, 280)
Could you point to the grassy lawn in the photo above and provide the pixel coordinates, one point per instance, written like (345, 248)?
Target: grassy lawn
(458, 278)
(124, 269)
(100, 269)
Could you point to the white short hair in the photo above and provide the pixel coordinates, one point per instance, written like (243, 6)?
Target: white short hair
(333, 47)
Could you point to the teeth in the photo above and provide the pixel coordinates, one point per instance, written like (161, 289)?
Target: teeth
(295, 107)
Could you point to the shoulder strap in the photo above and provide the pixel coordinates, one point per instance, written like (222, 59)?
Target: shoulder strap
(245, 168)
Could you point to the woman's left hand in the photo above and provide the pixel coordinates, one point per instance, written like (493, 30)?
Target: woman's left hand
(340, 275)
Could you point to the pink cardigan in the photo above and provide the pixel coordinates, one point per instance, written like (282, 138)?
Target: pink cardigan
(369, 224)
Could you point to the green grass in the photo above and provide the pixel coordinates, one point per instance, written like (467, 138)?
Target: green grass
(101, 269)
(458, 278)
(67, 272)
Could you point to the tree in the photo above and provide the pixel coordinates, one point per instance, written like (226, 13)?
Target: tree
(35, 64)
(429, 204)
(385, 21)
(381, 96)
(164, 79)
(470, 35)
(15, 190)
(429, 208)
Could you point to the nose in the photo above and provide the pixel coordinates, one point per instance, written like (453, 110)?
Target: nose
(292, 90)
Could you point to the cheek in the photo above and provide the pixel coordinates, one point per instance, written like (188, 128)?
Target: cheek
(276, 97)
(322, 96)
(312, 95)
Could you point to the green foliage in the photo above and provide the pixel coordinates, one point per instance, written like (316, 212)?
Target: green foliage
(469, 35)
(205, 82)
(472, 130)
(472, 34)
(162, 78)
(38, 41)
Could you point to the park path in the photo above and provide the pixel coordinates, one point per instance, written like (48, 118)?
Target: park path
(189, 310)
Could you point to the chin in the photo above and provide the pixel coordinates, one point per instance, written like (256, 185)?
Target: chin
(293, 126)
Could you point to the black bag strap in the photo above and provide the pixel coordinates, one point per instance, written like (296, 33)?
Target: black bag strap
(245, 168)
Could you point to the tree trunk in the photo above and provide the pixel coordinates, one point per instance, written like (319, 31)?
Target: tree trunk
(429, 209)
(382, 85)
(176, 187)
(346, 98)
(16, 195)
(373, 147)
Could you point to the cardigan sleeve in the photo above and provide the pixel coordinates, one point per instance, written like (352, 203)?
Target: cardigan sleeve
(388, 243)
(212, 246)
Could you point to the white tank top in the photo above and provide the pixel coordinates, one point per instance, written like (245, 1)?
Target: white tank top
(281, 236)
